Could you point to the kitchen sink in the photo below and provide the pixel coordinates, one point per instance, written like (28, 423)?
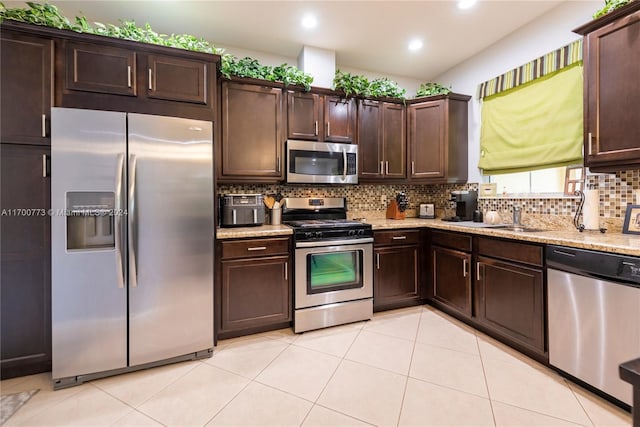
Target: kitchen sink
(519, 228)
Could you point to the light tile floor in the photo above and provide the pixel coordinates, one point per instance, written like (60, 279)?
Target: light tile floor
(409, 367)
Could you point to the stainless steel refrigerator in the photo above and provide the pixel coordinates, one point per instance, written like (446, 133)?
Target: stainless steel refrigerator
(132, 242)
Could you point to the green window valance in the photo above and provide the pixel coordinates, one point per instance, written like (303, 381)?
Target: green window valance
(534, 126)
(539, 67)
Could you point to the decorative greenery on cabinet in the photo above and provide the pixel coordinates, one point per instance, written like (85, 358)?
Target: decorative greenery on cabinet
(358, 85)
(430, 89)
(48, 15)
(610, 6)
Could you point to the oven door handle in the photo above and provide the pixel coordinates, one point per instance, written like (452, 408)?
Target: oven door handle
(334, 243)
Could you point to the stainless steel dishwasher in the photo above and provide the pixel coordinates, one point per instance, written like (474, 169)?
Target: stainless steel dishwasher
(594, 315)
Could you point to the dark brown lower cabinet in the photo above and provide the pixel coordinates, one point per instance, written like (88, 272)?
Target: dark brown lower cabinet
(254, 287)
(396, 270)
(452, 278)
(510, 301)
(25, 261)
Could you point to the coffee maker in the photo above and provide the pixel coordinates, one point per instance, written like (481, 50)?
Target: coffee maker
(466, 202)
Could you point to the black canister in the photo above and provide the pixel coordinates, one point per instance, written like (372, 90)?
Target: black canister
(477, 216)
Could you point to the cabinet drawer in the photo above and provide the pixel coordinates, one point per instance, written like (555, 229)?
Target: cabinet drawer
(461, 242)
(512, 251)
(397, 237)
(255, 248)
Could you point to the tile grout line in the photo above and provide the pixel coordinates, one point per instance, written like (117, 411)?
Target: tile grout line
(486, 382)
(579, 402)
(406, 379)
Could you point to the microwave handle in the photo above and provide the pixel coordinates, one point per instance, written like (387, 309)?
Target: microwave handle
(344, 159)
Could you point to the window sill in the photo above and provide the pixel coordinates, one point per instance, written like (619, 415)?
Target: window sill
(559, 196)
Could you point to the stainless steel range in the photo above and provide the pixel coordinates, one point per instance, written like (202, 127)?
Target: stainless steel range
(333, 264)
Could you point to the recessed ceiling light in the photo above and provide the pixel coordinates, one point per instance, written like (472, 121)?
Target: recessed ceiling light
(415, 44)
(466, 4)
(309, 21)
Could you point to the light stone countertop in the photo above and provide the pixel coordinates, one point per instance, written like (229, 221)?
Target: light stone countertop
(259, 231)
(611, 241)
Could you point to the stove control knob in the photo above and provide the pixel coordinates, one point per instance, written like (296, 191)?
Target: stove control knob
(318, 234)
(351, 233)
(360, 232)
(308, 235)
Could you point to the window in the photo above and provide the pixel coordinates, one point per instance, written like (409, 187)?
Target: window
(556, 182)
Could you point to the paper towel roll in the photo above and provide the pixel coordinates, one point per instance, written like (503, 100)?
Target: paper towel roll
(591, 210)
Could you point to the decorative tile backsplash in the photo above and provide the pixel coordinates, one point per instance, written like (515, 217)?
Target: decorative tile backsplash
(616, 192)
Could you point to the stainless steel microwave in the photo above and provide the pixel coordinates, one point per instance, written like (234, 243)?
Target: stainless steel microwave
(310, 162)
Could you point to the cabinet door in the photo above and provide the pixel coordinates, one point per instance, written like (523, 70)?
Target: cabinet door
(251, 131)
(395, 278)
(98, 68)
(256, 292)
(303, 116)
(509, 300)
(452, 278)
(25, 84)
(612, 101)
(339, 118)
(427, 139)
(393, 140)
(370, 139)
(25, 271)
(177, 79)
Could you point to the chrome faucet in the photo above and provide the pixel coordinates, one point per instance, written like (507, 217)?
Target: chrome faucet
(517, 215)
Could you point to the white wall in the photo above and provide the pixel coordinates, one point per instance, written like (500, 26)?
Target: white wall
(545, 34)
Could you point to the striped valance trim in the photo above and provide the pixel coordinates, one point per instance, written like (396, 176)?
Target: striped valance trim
(540, 67)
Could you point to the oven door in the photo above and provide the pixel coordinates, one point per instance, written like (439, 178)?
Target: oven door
(330, 272)
(320, 162)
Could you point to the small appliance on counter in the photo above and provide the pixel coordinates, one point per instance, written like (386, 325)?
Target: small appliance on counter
(466, 202)
(241, 210)
(398, 206)
(427, 211)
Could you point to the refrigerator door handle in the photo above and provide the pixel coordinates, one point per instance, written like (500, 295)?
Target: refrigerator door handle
(133, 230)
(119, 231)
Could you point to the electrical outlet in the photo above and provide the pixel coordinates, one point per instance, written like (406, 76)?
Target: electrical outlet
(383, 199)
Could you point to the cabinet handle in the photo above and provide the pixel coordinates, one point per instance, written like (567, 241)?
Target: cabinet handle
(257, 248)
(328, 129)
(44, 125)
(386, 165)
(378, 261)
(44, 165)
(150, 76)
(590, 142)
(278, 165)
(286, 271)
(381, 167)
(478, 271)
(413, 168)
(128, 75)
(316, 125)
(464, 268)
(399, 238)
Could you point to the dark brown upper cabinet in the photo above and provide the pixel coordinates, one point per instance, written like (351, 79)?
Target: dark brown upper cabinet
(177, 79)
(119, 75)
(316, 117)
(612, 90)
(381, 140)
(438, 139)
(102, 69)
(25, 84)
(252, 140)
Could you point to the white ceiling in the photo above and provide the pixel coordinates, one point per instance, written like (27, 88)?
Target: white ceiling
(367, 35)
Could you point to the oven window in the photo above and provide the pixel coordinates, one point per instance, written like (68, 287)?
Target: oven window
(333, 271)
(316, 162)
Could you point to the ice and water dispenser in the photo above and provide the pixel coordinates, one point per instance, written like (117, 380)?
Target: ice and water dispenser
(90, 220)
